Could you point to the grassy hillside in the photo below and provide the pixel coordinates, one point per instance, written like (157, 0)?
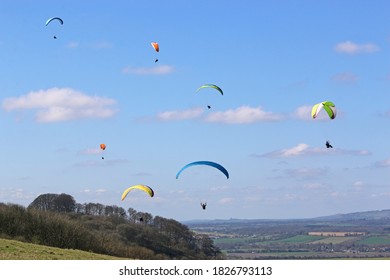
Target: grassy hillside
(16, 250)
(107, 234)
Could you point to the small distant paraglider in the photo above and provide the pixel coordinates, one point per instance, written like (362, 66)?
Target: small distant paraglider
(329, 108)
(203, 205)
(156, 47)
(56, 19)
(210, 86)
(102, 147)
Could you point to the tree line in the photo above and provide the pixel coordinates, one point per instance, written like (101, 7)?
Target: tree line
(58, 220)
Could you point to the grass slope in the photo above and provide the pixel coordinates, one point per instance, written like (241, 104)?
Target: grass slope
(16, 250)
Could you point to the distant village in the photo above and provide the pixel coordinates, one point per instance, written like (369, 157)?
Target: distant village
(336, 233)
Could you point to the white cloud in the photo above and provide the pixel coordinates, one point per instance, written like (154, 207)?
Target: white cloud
(349, 47)
(305, 172)
(180, 114)
(73, 45)
(314, 186)
(383, 163)
(298, 150)
(15, 194)
(89, 191)
(101, 45)
(243, 115)
(156, 70)
(304, 113)
(303, 149)
(100, 163)
(358, 185)
(345, 77)
(226, 200)
(91, 151)
(61, 104)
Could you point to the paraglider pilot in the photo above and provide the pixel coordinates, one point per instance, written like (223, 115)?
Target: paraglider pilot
(203, 205)
(328, 145)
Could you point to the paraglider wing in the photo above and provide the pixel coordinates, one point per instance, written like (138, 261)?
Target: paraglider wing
(155, 46)
(328, 106)
(144, 188)
(316, 109)
(210, 86)
(103, 146)
(209, 163)
(54, 18)
(330, 109)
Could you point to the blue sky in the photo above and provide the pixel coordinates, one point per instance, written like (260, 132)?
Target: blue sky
(98, 83)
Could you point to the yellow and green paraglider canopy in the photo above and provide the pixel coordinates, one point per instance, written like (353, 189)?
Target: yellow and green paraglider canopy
(328, 106)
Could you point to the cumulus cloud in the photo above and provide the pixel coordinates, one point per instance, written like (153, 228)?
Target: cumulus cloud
(349, 47)
(304, 113)
(345, 77)
(180, 114)
(15, 194)
(303, 149)
(61, 104)
(300, 149)
(156, 70)
(243, 115)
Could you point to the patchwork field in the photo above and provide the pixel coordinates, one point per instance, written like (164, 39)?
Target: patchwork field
(347, 237)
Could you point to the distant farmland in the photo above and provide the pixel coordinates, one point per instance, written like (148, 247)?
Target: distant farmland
(349, 236)
(301, 239)
(375, 240)
(334, 240)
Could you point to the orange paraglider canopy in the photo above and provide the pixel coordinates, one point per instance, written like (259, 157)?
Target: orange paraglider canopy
(155, 46)
(103, 146)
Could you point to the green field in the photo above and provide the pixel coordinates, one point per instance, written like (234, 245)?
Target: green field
(300, 239)
(334, 240)
(234, 240)
(16, 250)
(375, 240)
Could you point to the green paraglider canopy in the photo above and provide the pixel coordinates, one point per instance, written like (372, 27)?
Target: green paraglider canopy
(328, 106)
(210, 86)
